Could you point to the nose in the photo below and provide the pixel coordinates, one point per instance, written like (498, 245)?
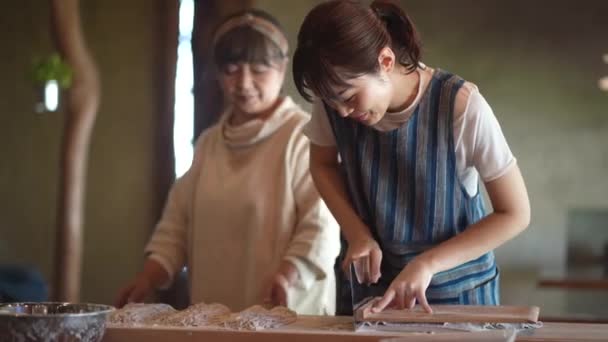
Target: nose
(245, 79)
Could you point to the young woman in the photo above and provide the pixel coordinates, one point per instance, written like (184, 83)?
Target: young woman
(413, 144)
(246, 218)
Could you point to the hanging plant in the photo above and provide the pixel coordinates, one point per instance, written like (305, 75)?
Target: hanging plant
(50, 75)
(52, 68)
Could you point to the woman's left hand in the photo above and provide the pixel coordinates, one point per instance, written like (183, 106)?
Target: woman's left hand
(278, 290)
(408, 287)
(285, 277)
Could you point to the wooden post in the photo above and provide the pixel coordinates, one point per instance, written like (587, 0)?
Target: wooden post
(81, 104)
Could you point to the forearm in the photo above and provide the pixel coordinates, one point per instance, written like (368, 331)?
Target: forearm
(168, 244)
(478, 239)
(331, 188)
(510, 217)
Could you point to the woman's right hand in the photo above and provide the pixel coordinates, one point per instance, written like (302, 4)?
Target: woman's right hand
(152, 276)
(137, 290)
(365, 255)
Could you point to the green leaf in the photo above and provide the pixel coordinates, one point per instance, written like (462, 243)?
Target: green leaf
(51, 68)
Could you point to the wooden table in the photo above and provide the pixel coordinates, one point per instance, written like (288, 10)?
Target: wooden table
(339, 329)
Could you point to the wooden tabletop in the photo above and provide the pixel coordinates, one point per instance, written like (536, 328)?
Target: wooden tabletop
(326, 328)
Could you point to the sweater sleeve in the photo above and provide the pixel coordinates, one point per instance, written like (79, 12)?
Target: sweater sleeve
(168, 244)
(315, 243)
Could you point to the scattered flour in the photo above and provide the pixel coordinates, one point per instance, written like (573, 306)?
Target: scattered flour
(195, 316)
(203, 315)
(259, 318)
(138, 314)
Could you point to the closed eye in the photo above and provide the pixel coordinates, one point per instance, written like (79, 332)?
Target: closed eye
(349, 99)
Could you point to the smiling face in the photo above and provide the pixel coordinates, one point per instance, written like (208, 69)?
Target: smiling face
(365, 98)
(252, 88)
(250, 64)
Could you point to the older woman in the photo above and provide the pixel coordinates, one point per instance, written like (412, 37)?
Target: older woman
(246, 218)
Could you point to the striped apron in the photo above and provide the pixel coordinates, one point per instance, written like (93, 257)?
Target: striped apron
(404, 186)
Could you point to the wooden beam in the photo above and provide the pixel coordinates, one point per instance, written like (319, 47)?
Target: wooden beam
(81, 104)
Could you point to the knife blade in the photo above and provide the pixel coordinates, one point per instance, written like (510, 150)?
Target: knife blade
(360, 293)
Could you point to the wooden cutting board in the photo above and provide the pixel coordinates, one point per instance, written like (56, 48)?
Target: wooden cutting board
(451, 314)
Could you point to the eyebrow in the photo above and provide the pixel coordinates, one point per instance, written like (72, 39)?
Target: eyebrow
(347, 86)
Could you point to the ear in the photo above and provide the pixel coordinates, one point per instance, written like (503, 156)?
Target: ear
(386, 59)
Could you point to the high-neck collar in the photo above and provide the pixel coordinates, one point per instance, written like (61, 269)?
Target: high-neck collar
(256, 130)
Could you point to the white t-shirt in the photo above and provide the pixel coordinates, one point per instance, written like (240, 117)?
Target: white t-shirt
(481, 148)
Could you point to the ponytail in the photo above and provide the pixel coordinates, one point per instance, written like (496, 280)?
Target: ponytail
(404, 36)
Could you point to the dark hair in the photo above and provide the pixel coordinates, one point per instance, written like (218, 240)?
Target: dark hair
(341, 39)
(244, 44)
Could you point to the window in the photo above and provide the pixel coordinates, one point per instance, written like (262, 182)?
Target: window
(183, 126)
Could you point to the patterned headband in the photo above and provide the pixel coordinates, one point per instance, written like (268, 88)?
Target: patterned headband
(263, 26)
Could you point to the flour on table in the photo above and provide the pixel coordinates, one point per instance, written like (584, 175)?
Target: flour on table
(195, 316)
(139, 313)
(203, 315)
(259, 318)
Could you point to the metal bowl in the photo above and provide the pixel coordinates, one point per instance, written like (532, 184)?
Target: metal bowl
(63, 322)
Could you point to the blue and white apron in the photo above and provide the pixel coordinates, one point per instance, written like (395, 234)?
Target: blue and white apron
(404, 186)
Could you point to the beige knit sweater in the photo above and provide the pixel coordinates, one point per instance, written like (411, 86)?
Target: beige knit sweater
(247, 203)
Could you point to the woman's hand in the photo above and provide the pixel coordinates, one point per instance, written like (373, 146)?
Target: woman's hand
(409, 286)
(366, 257)
(285, 278)
(152, 276)
(278, 290)
(136, 291)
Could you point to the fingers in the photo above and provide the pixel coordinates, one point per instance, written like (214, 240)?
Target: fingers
(366, 272)
(130, 294)
(123, 296)
(403, 297)
(346, 264)
(375, 260)
(274, 300)
(281, 298)
(410, 303)
(281, 290)
(411, 296)
(137, 295)
(359, 265)
(400, 299)
(388, 297)
(423, 302)
(278, 290)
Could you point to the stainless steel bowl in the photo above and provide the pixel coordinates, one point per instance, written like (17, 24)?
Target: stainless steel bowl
(62, 322)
